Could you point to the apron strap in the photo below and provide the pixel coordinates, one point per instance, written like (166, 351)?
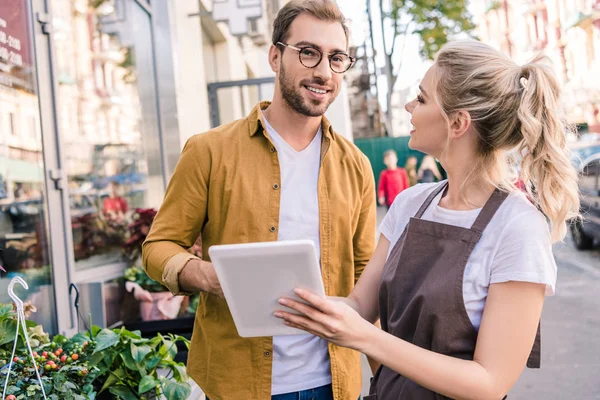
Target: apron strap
(488, 211)
(429, 199)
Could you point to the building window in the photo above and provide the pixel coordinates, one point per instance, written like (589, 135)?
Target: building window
(12, 128)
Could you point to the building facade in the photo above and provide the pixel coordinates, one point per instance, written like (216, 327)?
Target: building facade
(567, 31)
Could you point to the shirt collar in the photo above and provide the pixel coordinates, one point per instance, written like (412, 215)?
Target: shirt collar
(256, 122)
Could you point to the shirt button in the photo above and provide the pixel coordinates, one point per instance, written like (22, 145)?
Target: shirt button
(272, 149)
(272, 229)
(275, 186)
(267, 353)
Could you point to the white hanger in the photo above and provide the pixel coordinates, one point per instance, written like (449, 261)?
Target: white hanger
(20, 322)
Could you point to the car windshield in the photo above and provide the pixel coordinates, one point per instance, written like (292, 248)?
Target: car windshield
(579, 154)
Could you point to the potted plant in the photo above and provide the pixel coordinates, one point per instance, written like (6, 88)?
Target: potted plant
(96, 364)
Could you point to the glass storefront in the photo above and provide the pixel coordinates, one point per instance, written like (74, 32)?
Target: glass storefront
(108, 142)
(80, 170)
(24, 247)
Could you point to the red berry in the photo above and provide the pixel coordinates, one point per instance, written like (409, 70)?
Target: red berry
(63, 358)
(44, 354)
(16, 359)
(75, 357)
(35, 354)
(11, 397)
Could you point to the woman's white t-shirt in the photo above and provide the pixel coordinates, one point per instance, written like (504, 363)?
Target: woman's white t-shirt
(515, 246)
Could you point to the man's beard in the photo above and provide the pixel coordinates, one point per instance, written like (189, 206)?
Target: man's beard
(294, 99)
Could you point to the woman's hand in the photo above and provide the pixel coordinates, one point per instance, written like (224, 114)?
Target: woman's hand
(333, 320)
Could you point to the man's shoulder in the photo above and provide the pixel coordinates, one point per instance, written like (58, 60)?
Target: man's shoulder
(221, 135)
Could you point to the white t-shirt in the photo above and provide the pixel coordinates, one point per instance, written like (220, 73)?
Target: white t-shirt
(300, 362)
(515, 246)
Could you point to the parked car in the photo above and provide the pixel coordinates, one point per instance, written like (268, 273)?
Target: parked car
(587, 230)
(583, 149)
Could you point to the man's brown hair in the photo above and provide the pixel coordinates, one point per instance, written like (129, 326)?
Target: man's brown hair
(325, 10)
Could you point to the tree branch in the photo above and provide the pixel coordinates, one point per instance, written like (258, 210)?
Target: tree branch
(382, 16)
(395, 36)
(395, 75)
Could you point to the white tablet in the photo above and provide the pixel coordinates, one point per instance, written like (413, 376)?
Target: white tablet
(254, 276)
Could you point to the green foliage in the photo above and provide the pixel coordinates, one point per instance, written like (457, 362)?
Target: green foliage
(435, 21)
(101, 364)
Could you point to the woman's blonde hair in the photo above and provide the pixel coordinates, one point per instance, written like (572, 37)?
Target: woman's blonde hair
(513, 109)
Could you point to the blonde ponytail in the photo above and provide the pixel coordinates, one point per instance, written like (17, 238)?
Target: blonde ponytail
(546, 170)
(512, 108)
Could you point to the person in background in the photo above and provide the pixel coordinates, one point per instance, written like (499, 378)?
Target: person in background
(411, 170)
(114, 206)
(392, 180)
(428, 171)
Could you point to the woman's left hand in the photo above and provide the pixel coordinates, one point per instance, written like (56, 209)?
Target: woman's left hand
(332, 320)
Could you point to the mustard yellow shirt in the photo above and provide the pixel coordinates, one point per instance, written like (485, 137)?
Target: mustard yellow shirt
(226, 188)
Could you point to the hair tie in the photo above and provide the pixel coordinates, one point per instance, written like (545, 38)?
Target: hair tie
(524, 82)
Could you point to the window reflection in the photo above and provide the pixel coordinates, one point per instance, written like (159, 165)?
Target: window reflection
(102, 127)
(23, 235)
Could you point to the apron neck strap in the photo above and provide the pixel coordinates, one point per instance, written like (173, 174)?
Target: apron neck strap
(488, 211)
(427, 202)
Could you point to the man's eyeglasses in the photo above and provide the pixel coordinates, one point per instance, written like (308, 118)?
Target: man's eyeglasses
(310, 57)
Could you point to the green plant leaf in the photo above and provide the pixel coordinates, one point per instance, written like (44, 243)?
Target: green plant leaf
(96, 358)
(8, 329)
(131, 334)
(80, 338)
(105, 339)
(169, 348)
(179, 371)
(175, 390)
(95, 330)
(147, 383)
(123, 392)
(153, 361)
(139, 352)
(6, 311)
(128, 360)
(113, 377)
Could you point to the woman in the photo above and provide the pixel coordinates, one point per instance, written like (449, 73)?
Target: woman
(460, 286)
(428, 171)
(411, 170)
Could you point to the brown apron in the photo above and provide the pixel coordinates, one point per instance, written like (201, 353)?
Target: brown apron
(421, 295)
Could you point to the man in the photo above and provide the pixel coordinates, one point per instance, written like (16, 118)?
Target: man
(282, 173)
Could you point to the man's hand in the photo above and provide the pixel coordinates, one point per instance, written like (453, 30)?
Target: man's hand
(200, 276)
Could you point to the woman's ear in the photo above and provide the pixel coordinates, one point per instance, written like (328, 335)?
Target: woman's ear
(460, 124)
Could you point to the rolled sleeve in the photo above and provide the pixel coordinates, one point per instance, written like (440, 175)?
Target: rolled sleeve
(170, 275)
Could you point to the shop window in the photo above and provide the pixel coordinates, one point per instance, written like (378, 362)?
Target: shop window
(24, 247)
(110, 128)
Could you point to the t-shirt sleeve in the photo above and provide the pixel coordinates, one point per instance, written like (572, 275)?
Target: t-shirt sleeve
(525, 252)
